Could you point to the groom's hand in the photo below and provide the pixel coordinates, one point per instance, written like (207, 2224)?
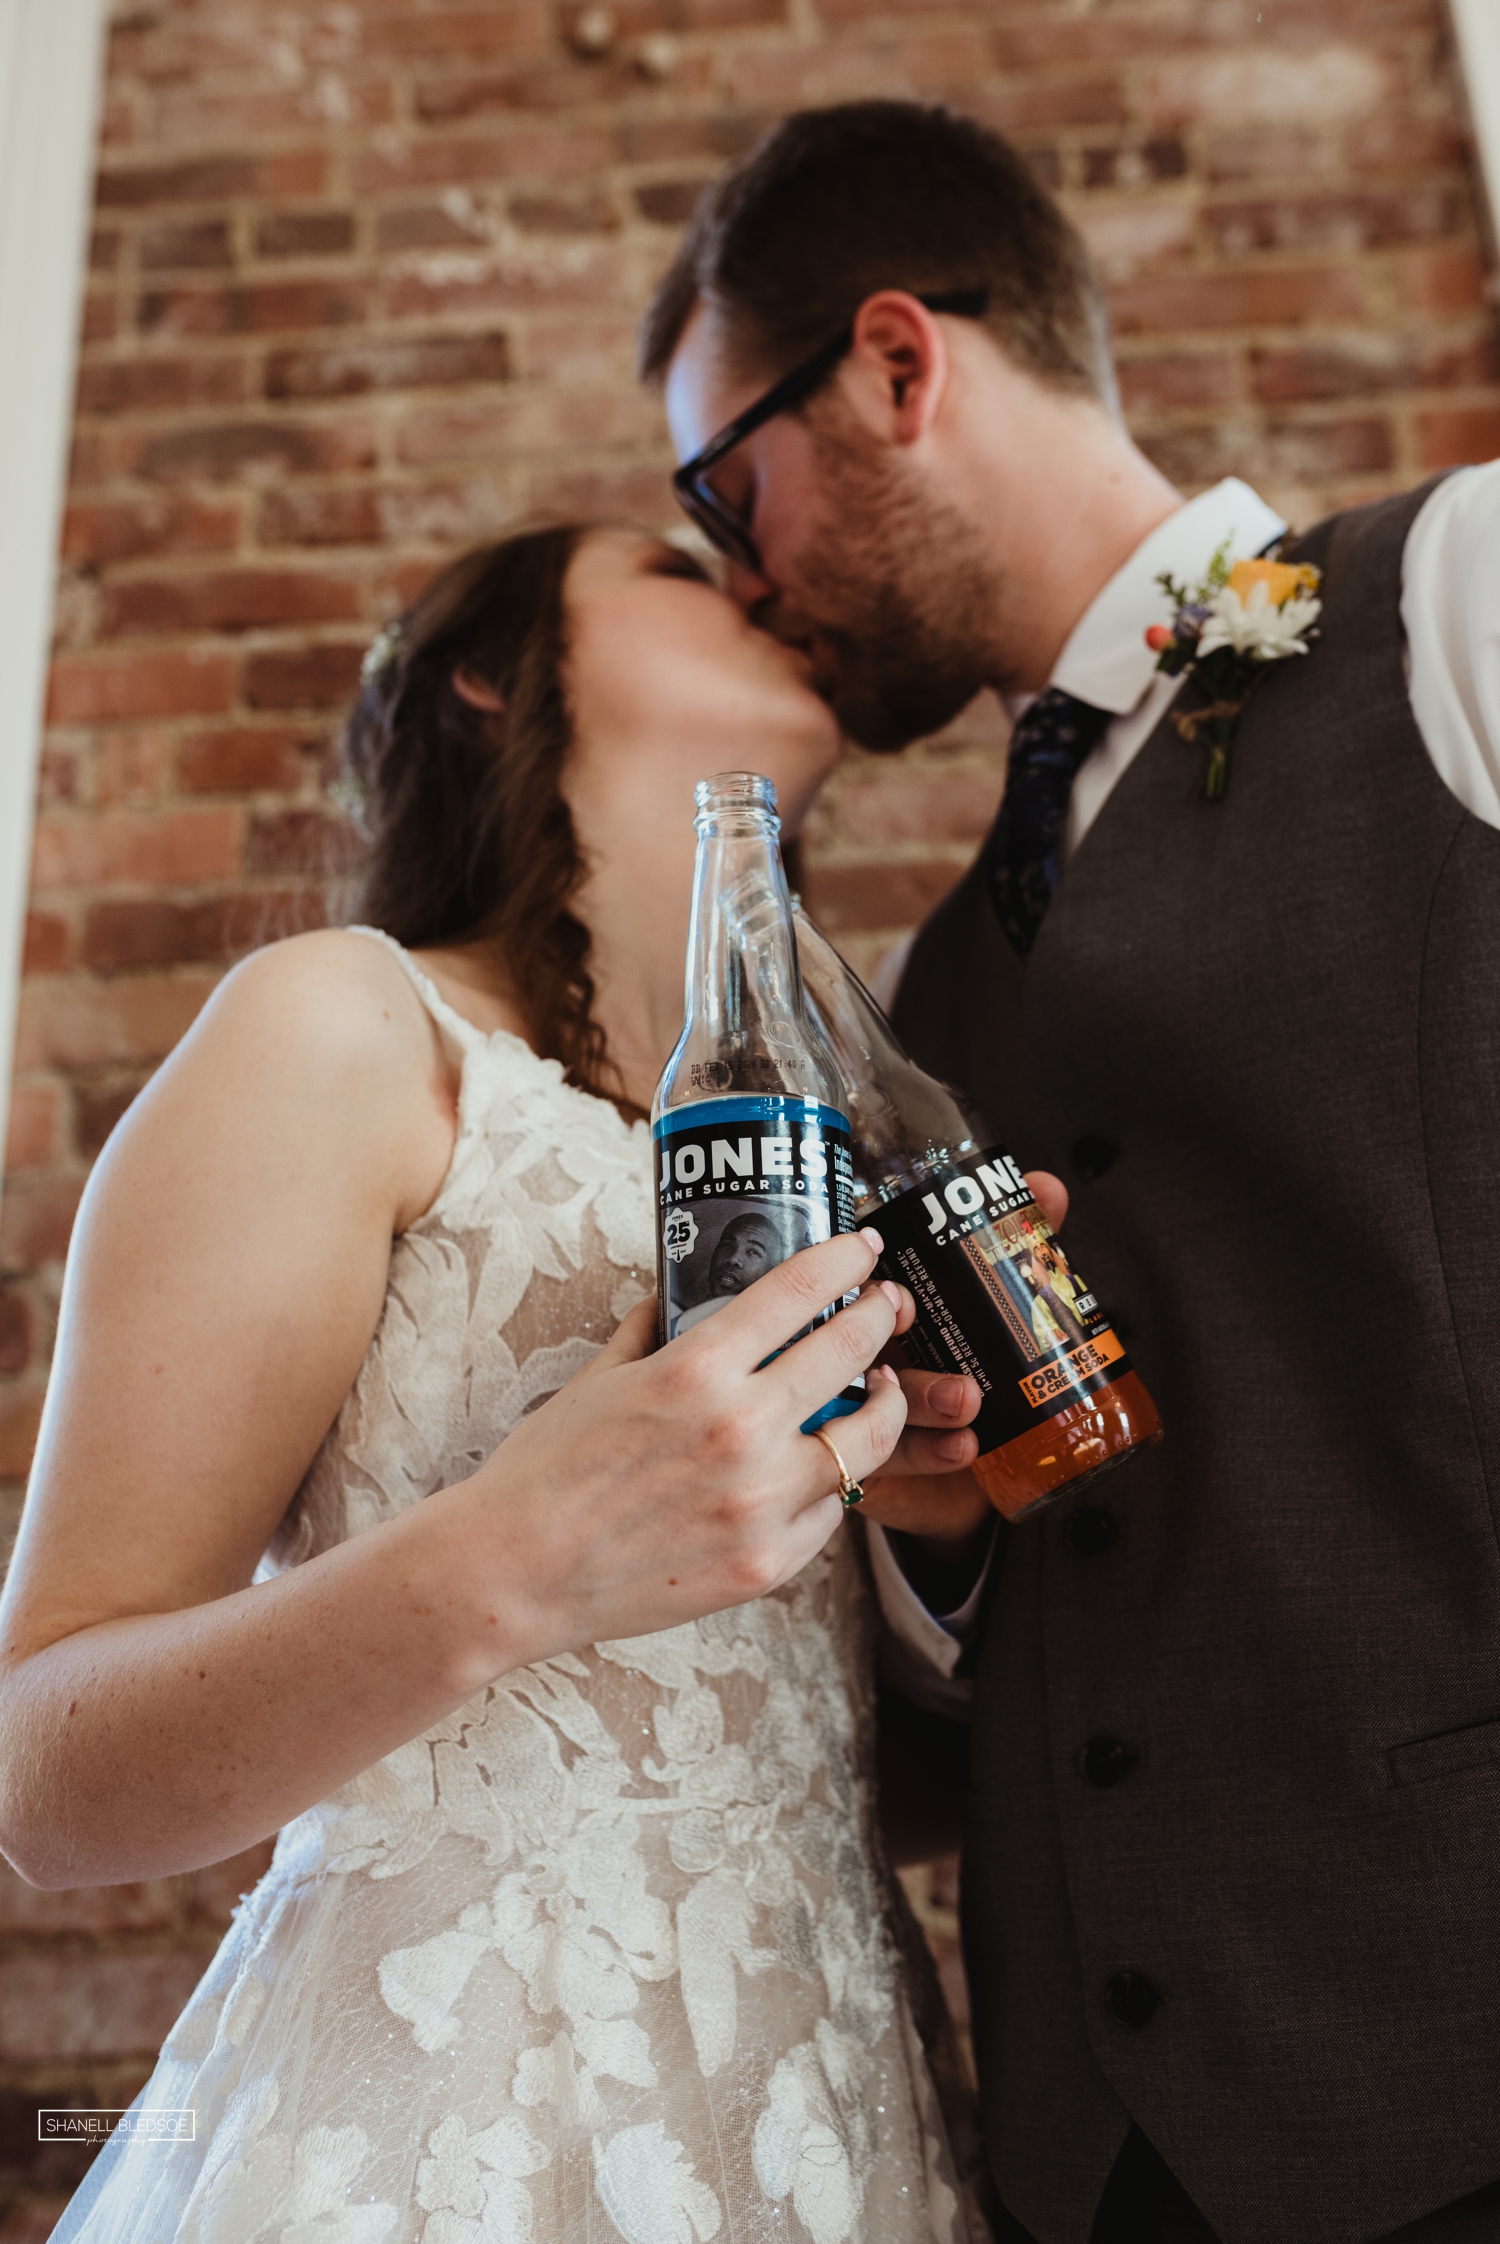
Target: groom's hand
(923, 1488)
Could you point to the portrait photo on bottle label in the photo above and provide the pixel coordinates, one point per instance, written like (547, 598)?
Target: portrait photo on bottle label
(996, 1295)
(742, 1184)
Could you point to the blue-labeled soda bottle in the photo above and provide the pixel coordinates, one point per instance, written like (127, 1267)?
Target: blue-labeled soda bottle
(749, 1124)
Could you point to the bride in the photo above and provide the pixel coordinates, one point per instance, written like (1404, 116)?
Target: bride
(578, 1926)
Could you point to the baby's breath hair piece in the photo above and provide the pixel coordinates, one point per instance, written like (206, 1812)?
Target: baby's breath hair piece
(383, 652)
(351, 794)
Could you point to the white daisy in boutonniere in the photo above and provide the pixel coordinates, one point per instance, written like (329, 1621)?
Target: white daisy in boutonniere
(1222, 634)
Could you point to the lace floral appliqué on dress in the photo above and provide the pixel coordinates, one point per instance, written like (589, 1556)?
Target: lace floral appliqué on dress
(610, 1952)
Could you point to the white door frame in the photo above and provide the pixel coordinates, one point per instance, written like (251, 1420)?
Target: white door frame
(1477, 24)
(50, 70)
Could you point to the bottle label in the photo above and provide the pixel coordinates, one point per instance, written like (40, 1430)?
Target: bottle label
(742, 1183)
(996, 1296)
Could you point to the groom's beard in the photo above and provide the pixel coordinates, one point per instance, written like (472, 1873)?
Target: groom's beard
(900, 606)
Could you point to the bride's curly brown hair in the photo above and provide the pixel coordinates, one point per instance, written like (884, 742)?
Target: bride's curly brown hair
(469, 834)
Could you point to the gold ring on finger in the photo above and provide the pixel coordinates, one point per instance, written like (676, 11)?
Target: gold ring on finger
(850, 1491)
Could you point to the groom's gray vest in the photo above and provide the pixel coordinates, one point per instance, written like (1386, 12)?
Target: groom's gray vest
(1260, 1040)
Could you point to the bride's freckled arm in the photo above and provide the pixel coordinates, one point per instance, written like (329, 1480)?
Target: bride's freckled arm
(156, 1711)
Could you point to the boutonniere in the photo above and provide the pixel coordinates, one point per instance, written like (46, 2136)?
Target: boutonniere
(1223, 633)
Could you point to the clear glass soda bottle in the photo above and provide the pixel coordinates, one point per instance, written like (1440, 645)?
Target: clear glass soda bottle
(995, 1294)
(749, 1130)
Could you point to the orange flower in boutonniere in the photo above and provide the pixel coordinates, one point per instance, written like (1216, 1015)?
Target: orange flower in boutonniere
(1223, 634)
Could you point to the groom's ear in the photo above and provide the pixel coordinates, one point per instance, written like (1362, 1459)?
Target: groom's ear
(898, 366)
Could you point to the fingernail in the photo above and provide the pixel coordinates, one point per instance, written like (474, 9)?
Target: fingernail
(947, 1395)
(892, 1293)
(884, 1371)
(873, 1241)
(953, 1448)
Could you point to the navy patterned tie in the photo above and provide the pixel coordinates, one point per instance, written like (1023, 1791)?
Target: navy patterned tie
(1049, 743)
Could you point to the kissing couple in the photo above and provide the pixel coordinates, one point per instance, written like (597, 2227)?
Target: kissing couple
(367, 1511)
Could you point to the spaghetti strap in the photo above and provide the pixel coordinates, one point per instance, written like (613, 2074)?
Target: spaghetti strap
(465, 1034)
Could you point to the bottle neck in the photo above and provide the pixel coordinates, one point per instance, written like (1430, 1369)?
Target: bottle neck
(747, 1030)
(907, 1127)
(742, 980)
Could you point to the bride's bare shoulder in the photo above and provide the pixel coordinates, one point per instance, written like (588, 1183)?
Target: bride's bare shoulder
(335, 992)
(326, 1025)
(315, 1052)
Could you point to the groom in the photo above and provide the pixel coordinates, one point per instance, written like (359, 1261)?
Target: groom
(1232, 1880)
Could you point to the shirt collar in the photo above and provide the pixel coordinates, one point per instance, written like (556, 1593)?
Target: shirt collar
(1106, 660)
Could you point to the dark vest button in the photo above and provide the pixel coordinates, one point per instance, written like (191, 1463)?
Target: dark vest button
(1104, 1761)
(1091, 1530)
(1092, 1156)
(1132, 1998)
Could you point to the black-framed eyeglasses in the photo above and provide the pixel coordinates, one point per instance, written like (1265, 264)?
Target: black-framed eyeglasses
(718, 521)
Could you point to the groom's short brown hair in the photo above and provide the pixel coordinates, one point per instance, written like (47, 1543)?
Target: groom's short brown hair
(836, 204)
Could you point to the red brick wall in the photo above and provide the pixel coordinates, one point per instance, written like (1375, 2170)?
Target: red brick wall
(363, 286)
(90, 1982)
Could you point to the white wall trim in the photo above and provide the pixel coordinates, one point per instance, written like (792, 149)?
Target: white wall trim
(50, 69)
(1477, 24)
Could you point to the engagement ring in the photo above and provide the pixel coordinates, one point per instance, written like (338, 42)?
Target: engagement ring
(849, 1488)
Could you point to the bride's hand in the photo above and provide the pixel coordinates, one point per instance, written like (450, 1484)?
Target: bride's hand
(662, 1484)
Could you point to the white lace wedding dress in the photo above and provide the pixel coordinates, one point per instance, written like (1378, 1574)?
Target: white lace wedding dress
(611, 1952)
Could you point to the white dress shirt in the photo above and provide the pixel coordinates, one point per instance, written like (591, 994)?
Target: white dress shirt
(1450, 608)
